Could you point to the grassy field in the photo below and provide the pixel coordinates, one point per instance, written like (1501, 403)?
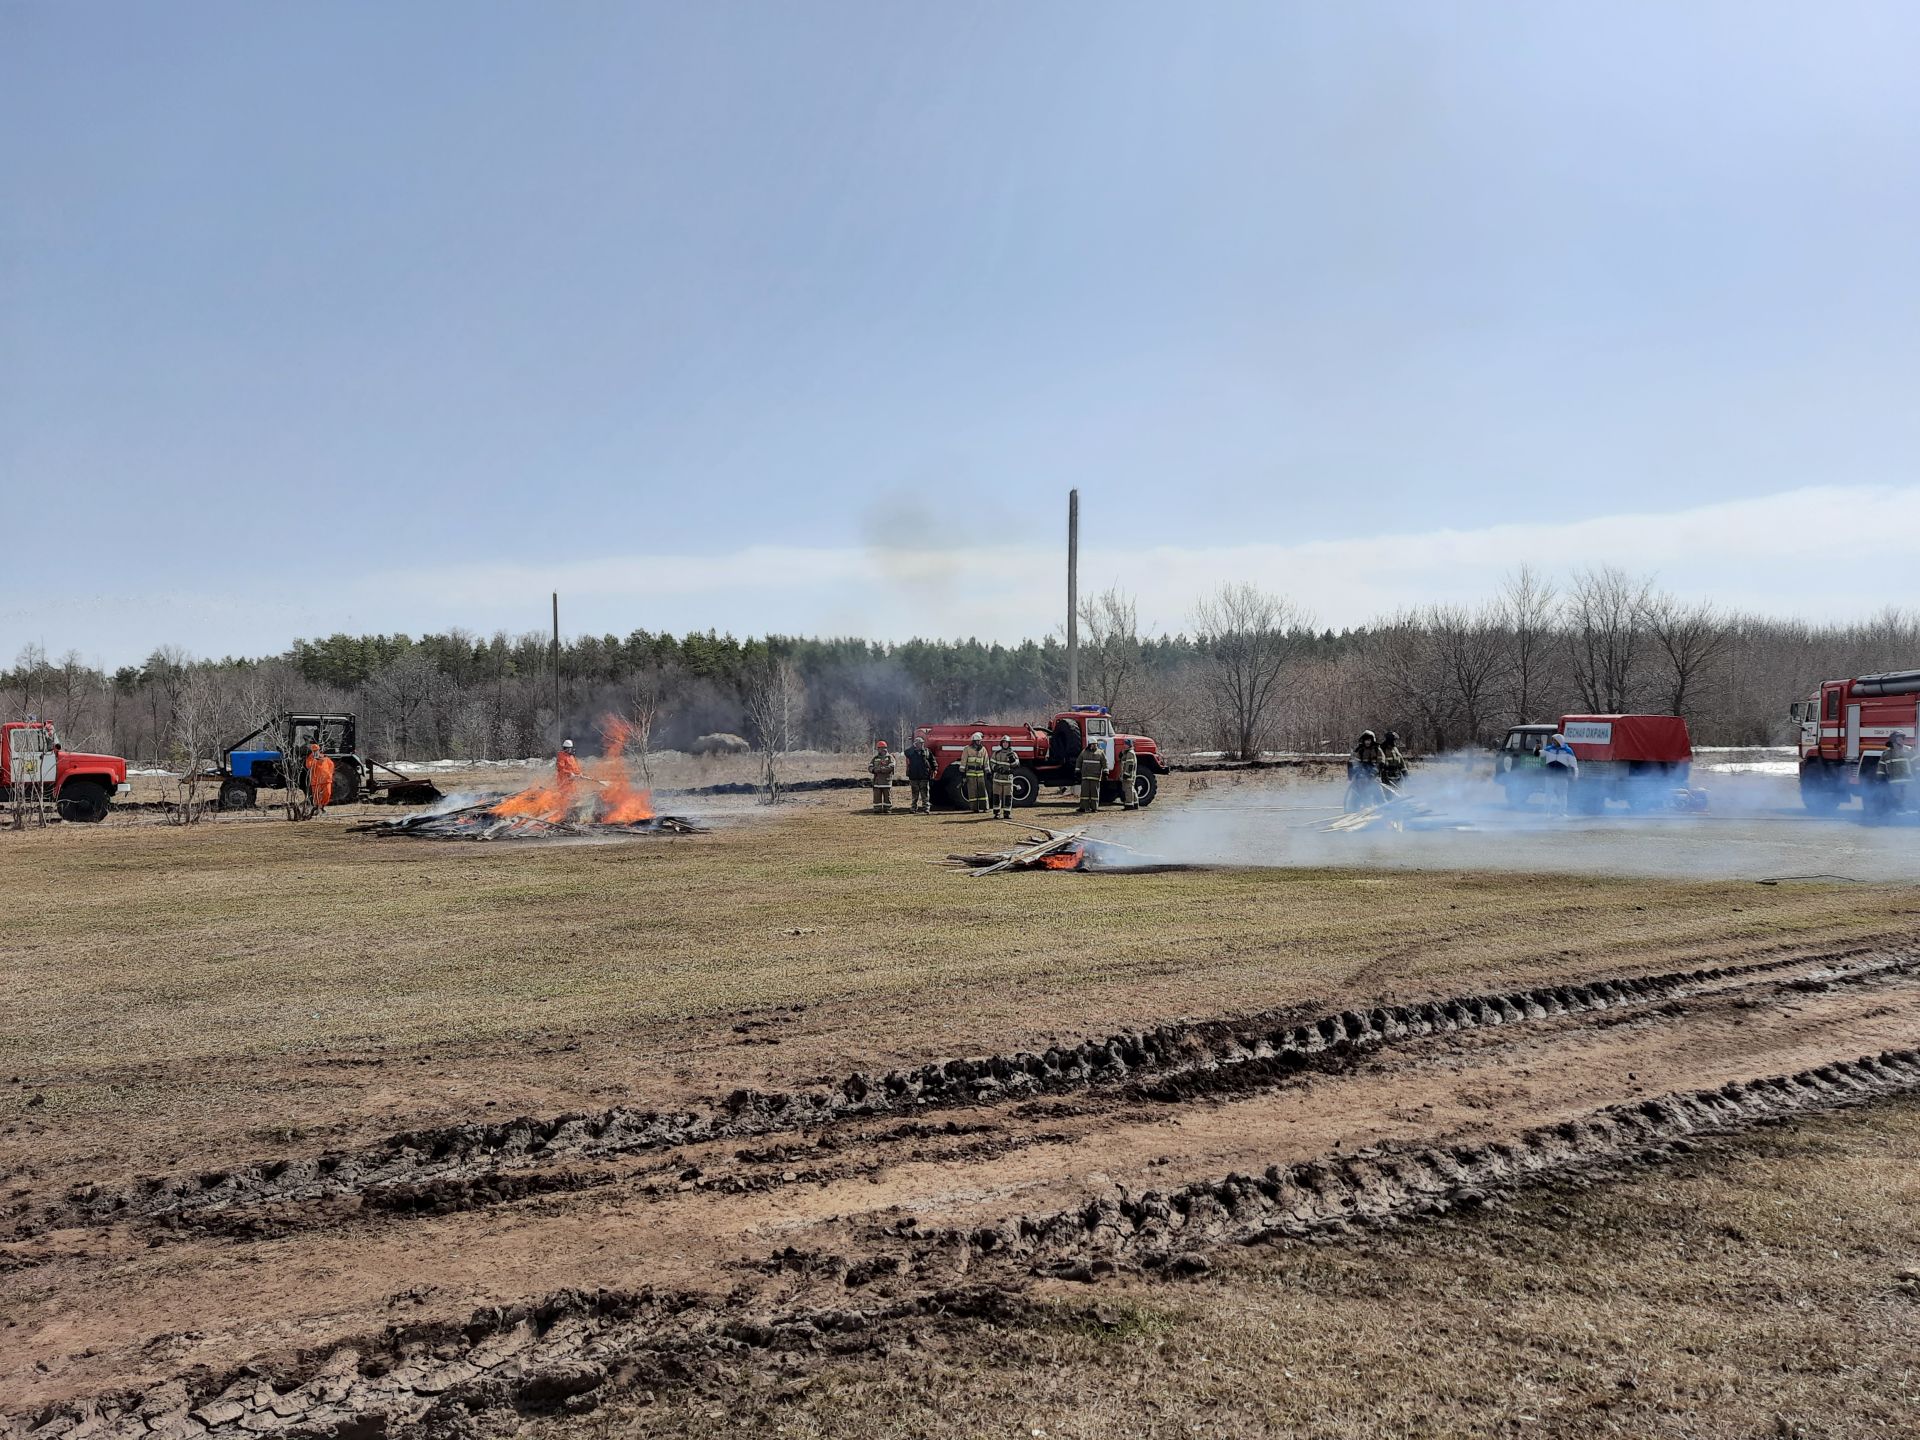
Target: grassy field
(1766, 1288)
(177, 985)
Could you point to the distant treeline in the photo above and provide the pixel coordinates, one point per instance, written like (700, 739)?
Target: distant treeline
(1248, 672)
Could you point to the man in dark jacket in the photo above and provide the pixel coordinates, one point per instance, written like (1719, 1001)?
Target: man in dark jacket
(920, 765)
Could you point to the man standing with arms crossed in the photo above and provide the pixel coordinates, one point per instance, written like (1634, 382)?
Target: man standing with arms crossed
(920, 763)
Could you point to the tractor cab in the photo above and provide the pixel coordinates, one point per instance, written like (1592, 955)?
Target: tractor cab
(260, 761)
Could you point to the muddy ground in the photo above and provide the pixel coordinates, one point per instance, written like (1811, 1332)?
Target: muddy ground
(790, 1126)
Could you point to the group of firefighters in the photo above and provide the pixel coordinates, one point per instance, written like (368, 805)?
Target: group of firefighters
(1375, 770)
(987, 776)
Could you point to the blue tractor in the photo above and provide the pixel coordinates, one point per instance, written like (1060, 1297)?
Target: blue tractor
(248, 767)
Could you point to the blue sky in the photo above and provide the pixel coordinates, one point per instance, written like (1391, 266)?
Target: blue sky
(791, 316)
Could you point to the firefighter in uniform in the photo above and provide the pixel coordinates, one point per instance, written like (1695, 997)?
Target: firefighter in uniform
(1363, 773)
(881, 769)
(1093, 769)
(566, 768)
(1896, 764)
(1129, 771)
(920, 763)
(1002, 763)
(1392, 767)
(973, 772)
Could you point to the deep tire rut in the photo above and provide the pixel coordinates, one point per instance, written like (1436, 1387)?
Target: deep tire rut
(457, 1166)
(570, 1350)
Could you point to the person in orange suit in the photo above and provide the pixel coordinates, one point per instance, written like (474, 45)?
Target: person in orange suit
(565, 767)
(319, 779)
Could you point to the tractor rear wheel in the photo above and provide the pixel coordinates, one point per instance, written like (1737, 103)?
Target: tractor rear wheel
(236, 793)
(84, 802)
(346, 783)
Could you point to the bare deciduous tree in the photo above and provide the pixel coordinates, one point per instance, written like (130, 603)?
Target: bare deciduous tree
(1688, 639)
(649, 690)
(1110, 655)
(403, 690)
(1245, 636)
(201, 705)
(774, 699)
(1526, 607)
(1473, 651)
(1606, 613)
(1414, 674)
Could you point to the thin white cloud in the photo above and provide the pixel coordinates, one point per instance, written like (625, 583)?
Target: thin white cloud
(1830, 552)
(1807, 553)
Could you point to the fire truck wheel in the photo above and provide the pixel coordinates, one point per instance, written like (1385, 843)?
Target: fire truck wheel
(1146, 787)
(84, 801)
(1819, 794)
(236, 794)
(346, 783)
(954, 787)
(1026, 787)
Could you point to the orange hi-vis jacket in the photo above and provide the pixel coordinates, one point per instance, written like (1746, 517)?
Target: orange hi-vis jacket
(319, 779)
(566, 767)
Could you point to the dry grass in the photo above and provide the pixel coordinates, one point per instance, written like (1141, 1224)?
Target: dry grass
(166, 971)
(1755, 1292)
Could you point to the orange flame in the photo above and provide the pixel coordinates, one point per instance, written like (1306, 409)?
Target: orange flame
(606, 796)
(1068, 859)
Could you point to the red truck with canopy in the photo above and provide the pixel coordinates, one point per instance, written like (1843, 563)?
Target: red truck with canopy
(1643, 760)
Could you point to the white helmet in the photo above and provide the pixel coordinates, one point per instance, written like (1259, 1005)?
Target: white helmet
(978, 736)
(1006, 739)
(566, 744)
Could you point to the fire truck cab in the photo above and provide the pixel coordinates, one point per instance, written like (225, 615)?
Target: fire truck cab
(1843, 730)
(81, 786)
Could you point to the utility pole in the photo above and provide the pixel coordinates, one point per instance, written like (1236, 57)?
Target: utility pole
(1073, 597)
(556, 657)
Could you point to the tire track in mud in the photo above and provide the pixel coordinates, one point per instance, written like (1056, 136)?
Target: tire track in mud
(460, 1166)
(569, 1351)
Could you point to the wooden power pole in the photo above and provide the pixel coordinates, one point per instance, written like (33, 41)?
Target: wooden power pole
(1073, 597)
(556, 658)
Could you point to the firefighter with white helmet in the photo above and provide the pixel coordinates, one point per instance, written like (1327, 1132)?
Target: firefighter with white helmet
(1001, 765)
(974, 765)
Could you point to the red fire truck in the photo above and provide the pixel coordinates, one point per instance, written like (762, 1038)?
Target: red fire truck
(1049, 754)
(80, 786)
(1843, 729)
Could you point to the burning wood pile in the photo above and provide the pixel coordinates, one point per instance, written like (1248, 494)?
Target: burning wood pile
(485, 821)
(1072, 850)
(601, 800)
